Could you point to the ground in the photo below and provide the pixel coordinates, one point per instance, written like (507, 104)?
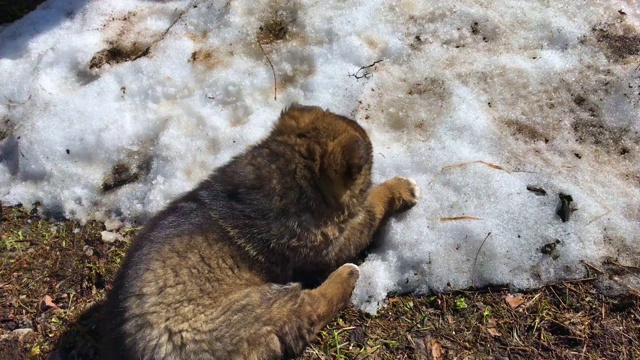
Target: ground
(54, 275)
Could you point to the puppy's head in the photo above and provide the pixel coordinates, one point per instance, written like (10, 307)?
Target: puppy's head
(335, 147)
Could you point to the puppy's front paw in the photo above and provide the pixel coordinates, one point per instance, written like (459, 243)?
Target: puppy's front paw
(403, 194)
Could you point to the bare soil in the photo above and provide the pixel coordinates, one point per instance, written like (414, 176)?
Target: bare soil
(54, 275)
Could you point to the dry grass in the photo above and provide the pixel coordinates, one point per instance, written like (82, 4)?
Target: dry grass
(564, 321)
(70, 263)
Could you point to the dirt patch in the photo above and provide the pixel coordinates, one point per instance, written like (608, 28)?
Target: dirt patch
(122, 174)
(273, 30)
(66, 262)
(4, 132)
(122, 48)
(524, 131)
(619, 40)
(72, 265)
(482, 31)
(131, 40)
(117, 54)
(596, 132)
(591, 127)
(207, 58)
(280, 24)
(430, 86)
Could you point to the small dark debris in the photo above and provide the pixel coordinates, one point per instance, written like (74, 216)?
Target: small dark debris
(564, 211)
(365, 74)
(68, 151)
(577, 155)
(122, 174)
(621, 12)
(116, 55)
(619, 44)
(537, 190)
(623, 304)
(550, 249)
(275, 29)
(474, 28)
(579, 100)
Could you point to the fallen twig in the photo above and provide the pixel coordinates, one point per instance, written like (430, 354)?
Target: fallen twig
(599, 216)
(275, 83)
(145, 51)
(592, 267)
(473, 272)
(458, 218)
(627, 268)
(455, 166)
(615, 279)
(365, 74)
(493, 166)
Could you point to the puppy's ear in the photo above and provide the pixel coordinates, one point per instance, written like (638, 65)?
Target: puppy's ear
(350, 154)
(298, 116)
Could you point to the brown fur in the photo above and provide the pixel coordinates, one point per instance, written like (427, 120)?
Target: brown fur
(210, 276)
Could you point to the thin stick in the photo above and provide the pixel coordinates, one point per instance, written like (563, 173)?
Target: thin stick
(366, 74)
(464, 164)
(473, 274)
(592, 267)
(615, 279)
(458, 218)
(275, 83)
(145, 51)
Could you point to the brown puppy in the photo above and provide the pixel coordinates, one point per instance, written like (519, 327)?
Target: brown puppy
(210, 276)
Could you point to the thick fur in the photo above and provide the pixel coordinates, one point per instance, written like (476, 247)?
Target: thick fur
(210, 276)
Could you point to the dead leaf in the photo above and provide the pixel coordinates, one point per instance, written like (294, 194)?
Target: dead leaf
(435, 349)
(493, 332)
(514, 300)
(47, 303)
